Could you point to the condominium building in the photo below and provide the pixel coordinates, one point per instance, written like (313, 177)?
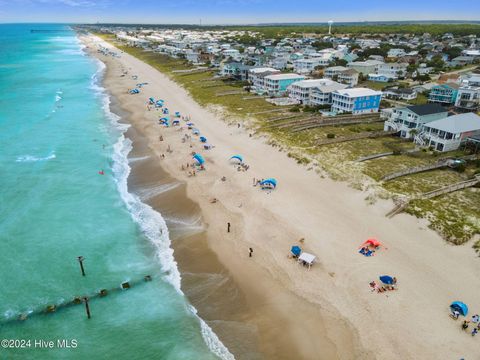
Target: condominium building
(277, 84)
(314, 92)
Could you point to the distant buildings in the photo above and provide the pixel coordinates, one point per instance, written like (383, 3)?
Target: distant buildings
(356, 101)
(365, 67)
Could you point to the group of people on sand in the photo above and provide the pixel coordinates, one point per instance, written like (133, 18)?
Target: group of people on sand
(384, 287)
(474, 323)
(243, 167)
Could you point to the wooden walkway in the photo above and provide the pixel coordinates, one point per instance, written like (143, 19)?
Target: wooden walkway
(416, 170)
(434, 193)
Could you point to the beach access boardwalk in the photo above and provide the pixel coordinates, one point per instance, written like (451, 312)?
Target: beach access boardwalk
(402, 205)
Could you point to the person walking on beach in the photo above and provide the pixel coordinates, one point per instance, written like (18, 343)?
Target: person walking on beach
(250, 252)
(228, 227)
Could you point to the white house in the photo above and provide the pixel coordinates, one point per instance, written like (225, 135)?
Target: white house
(256, 76)
(409, 118)
(314, 91)
(392, 70)
(365, 67)
(449, 133)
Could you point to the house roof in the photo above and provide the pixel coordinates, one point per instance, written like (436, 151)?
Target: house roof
(457, 124)
(426, 109)
(284, 76)
(355, 92)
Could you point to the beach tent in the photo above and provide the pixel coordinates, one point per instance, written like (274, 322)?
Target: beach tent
(196, 132)
(165, 111)
(199, 159)
(203, 139)
(177, 113)
(372, 242)
(386, 279)
(459, 306)
(271, 182)
(307, 259)
(176, 122)
(296, 250)
(159, 103)
(151, 100)
(237, 157)
(134, 91)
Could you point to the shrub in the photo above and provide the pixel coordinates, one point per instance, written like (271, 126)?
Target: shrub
(330, 136)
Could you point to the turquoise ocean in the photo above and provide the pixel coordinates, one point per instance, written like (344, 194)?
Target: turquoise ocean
(56, 135)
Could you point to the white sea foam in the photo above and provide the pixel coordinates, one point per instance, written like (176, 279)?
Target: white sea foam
(32, 158)
(150, 192)
(150, 221)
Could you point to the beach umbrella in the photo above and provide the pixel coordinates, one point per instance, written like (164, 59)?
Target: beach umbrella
(296, 250)
(459, 306)
(238, 157)
(199, 158)
(203, 139)
(152, 100)
(177, 113)
(176, 122)
(386, 279)
(271, 182)
(196, 131)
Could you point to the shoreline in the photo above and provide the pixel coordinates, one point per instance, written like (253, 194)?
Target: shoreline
(270, 223)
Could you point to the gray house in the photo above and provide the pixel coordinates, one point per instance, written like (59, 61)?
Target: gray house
(406, 119)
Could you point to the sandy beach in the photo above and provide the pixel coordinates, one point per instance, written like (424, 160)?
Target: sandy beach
(268, 306)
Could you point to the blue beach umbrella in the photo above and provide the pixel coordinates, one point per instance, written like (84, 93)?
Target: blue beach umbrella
(386, 279)
(271, 182)
(461, 307)
(176, 122)
(199, 158)
(296, 250)
(152, 100)
(238, 157)
(203, 139)
(177, 113)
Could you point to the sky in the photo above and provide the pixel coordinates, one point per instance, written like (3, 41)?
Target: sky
(234, 11)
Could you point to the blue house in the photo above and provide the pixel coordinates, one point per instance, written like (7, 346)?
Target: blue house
(356, 100)
(445, 94)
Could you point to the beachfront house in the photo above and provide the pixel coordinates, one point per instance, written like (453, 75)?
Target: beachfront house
(356, 101)
(277, 84)
(256, 76)
(236, 70)
(314, 91)
(449, 133)
(445, 94)
(408, 120)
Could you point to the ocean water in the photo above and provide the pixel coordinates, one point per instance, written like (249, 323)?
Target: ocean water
(56, 135)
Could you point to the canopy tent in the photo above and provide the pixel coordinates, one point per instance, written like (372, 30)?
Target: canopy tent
(296, 250)
(237, 157)
(386, 279)
(203, 139)
(307, 259)
(459, 306)
(271, 182)
(199, 158)
(372, 242)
